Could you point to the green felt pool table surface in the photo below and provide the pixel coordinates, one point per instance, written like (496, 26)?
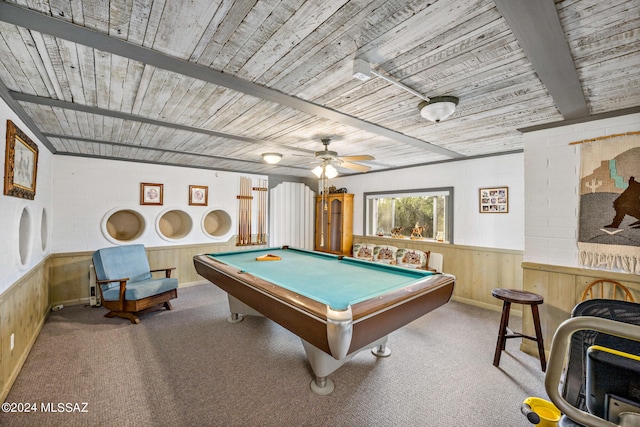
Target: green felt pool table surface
(330, 279)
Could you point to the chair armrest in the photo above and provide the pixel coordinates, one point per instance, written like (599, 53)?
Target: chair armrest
(166, 270)
(102, 282)
(123, 288)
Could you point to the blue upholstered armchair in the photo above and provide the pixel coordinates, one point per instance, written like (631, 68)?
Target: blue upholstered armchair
(127, 287)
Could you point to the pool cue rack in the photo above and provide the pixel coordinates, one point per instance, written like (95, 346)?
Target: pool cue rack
(245, 212)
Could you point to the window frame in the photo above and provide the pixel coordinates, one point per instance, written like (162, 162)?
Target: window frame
(407, 193)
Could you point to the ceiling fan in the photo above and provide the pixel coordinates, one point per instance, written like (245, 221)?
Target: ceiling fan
(329, 159)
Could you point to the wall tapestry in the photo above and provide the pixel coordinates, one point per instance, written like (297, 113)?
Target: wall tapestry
(609, 225)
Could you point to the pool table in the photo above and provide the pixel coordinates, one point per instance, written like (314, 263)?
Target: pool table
(337, 305)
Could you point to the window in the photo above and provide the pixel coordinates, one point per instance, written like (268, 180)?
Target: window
(430, 208)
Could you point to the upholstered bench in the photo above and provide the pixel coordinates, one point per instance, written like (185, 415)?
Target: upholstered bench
(127, 287)
(403, 257)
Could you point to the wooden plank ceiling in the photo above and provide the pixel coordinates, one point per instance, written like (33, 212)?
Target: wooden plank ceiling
(214, 84)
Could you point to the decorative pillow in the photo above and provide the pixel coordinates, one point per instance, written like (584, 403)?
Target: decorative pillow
(363, 251)
(412, 258)
(385, 254)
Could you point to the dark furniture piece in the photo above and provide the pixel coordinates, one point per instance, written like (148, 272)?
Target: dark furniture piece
(509, 296)
(127, 287)
(613, 324)
(337, 305)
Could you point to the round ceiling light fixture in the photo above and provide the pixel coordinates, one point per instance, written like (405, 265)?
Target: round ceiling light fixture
(438, 108)
(272, 158)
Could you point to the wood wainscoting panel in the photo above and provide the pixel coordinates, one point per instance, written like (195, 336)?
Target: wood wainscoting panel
(70, 271)
(478, 270)
(69, 277)
(561, 288)
(24, 307)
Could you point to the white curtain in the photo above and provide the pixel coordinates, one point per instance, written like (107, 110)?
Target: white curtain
(291, 215)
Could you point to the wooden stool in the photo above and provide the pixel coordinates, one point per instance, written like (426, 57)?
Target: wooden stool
(519, 297)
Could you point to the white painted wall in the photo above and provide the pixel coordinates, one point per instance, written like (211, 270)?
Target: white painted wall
(552, 177)
(472, 228)
(87, 191)
(12, 265)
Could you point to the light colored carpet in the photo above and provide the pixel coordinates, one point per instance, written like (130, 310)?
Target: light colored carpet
(189, 367)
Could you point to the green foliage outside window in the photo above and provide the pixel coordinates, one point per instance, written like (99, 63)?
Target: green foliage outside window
(393, 211)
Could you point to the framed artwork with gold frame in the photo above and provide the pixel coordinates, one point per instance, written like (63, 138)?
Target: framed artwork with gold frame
(151, 194)
(198, 195)
(20, 164)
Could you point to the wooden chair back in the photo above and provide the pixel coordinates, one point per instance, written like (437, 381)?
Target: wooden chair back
(607, 289)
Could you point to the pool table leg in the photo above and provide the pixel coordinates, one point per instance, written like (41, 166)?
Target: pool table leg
(322, 386)
(235, 318)
(323, 364)
(238, 308)
(381, 350)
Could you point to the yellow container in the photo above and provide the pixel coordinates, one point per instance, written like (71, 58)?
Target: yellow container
(547, 411)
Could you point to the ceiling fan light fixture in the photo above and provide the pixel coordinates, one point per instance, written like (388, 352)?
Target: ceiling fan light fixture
(438, 108)
(272, 158)
(330, 171)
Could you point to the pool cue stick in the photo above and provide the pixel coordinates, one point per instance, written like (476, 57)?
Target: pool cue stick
(240, 210)
(265, 203)
(262, 212)
(246, 216)
(250, 210)
(246, 213)
(259, 188)
(257, 213)
(239, 213)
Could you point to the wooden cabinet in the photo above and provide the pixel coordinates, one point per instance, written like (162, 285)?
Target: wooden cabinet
(334, 223)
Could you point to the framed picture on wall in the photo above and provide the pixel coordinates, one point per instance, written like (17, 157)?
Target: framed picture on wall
(198, 195)
(150, 194)
(20, 164)
(494, 200)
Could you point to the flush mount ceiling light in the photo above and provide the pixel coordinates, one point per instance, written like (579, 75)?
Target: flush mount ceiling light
(435, 109)
(438, 108)
(272, 158)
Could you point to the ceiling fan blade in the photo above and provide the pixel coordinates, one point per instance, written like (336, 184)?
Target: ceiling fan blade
(354, 166)
(358, 158)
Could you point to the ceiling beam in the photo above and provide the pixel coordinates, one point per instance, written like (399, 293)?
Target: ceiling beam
(537, 28)
(601, 116)
(152, 162)
(39, 100)
(162, 150)
(6, 95)
(37, 21)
